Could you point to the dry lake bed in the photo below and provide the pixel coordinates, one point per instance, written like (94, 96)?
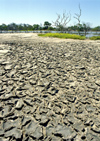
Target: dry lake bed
(49, 89)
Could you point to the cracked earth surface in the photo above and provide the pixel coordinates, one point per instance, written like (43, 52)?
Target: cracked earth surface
(49, 89)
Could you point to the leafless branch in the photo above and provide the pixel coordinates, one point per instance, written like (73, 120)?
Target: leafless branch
(77, 16)
(62, 20)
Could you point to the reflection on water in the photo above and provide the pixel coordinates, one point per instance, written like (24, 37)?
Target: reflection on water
(89, 34)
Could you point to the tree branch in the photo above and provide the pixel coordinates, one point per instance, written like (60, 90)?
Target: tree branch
(63, 20)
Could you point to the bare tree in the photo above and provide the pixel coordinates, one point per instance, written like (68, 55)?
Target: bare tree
(77, 17)
(62, 21)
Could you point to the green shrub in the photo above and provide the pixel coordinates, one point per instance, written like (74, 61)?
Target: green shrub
(63, 35)
(95, 38)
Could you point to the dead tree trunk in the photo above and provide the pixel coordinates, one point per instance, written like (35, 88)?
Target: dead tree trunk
(77, 17)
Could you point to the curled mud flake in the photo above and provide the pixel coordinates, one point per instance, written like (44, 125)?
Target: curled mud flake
(8, 67)
(19, 104)
(64, 132)
(44, 120)
(97, 82)
(34, 130)
(14, 132)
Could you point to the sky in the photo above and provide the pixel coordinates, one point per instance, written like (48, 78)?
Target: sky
(39, 11)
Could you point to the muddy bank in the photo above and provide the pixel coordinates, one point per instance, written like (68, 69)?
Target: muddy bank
(49, 90)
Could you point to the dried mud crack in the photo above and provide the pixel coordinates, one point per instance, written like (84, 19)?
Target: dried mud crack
(49, 90)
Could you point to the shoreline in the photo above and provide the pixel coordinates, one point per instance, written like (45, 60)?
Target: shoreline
(34, 36)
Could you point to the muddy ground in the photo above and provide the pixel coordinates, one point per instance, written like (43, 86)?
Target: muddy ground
(49, 89)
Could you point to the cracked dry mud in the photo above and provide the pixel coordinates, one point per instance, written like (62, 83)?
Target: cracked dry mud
(49, 91)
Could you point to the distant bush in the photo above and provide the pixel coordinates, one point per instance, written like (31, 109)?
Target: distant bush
(95, 38)
(63, 35)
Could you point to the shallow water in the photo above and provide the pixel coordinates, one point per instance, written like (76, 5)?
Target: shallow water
(89, 34)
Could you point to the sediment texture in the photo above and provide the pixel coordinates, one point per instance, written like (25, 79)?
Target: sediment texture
(49, 91)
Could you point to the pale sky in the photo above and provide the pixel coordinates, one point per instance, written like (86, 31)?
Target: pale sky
(39, 11)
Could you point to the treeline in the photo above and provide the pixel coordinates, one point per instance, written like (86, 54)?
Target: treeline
(46, 26)
(18, 27)
(60, 24)
(96, 28)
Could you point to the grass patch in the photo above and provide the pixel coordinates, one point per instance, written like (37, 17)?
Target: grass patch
(63, 36)
(95, 38)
